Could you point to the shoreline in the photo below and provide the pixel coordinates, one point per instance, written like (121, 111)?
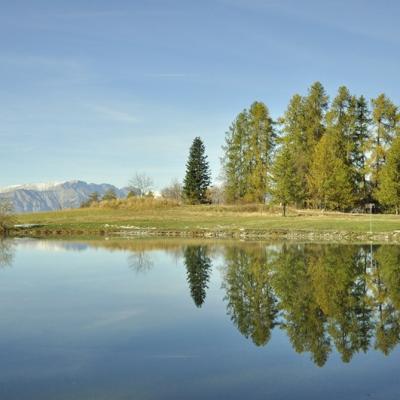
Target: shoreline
(209, 222)
(236, 234)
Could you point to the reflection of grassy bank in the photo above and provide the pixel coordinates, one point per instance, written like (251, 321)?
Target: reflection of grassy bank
(210, 221)
(172, 245)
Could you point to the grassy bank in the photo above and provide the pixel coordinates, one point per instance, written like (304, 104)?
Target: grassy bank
(204, 221)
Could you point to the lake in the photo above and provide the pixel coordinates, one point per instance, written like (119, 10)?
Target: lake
(183, 319)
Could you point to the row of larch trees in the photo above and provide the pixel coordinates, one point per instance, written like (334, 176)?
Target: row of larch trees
(337, 155)
(248, 155)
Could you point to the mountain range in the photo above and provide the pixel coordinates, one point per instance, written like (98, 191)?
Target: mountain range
(55, 195)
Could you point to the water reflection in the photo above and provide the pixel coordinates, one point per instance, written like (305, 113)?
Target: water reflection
(198, 267)
(251, 301)
(140, 261)
(6, 253)
(323, 296)
(320, 295)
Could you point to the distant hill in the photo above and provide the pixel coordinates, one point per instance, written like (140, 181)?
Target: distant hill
(54, 196)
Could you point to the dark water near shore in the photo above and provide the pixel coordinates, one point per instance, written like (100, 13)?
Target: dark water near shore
(169, 319)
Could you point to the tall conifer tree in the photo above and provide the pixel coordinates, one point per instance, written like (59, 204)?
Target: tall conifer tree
(361, 138)
(385, 117)
(234, 158)
(342, 122)
(258, 155)
(315, 107)
(330, 176)
(388, 192)
(198, 177)
(247, 159)
(286, 185)
(294, 141)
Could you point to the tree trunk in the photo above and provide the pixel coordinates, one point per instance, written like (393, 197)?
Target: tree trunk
(284, 209)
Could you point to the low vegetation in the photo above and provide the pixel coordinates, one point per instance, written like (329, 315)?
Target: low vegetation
(136, 204)
(156, 215)
(7, 217)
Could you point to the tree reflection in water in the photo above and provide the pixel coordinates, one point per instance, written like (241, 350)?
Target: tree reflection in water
(252, 304)
(198, 267)
(140, 261)
(322, 296)
(6, 253)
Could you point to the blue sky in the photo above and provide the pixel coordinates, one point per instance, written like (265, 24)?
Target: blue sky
(99, 90)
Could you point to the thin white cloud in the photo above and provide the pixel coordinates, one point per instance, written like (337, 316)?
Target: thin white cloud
(47, 69)
(30, 61)
(112, 114)
(335, 15)
(91, 14)
(113, 319)
(254, 4)
(169, 75)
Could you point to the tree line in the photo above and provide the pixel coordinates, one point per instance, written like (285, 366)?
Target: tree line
(341, 154)
(336, 155)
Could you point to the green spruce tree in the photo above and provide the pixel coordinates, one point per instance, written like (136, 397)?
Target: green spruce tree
(197, 179)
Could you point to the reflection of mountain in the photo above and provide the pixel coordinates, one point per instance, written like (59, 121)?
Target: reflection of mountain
(6, 253)
(320, 295)
(52, 245)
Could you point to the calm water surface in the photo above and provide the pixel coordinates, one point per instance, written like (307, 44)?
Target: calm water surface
(151, 319)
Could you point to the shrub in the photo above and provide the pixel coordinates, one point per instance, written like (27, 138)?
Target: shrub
(137, 203)
(7, 217)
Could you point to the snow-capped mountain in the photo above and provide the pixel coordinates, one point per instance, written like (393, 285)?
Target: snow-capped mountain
(55, 195)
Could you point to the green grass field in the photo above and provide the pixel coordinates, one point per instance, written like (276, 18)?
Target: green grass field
(194, 218)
